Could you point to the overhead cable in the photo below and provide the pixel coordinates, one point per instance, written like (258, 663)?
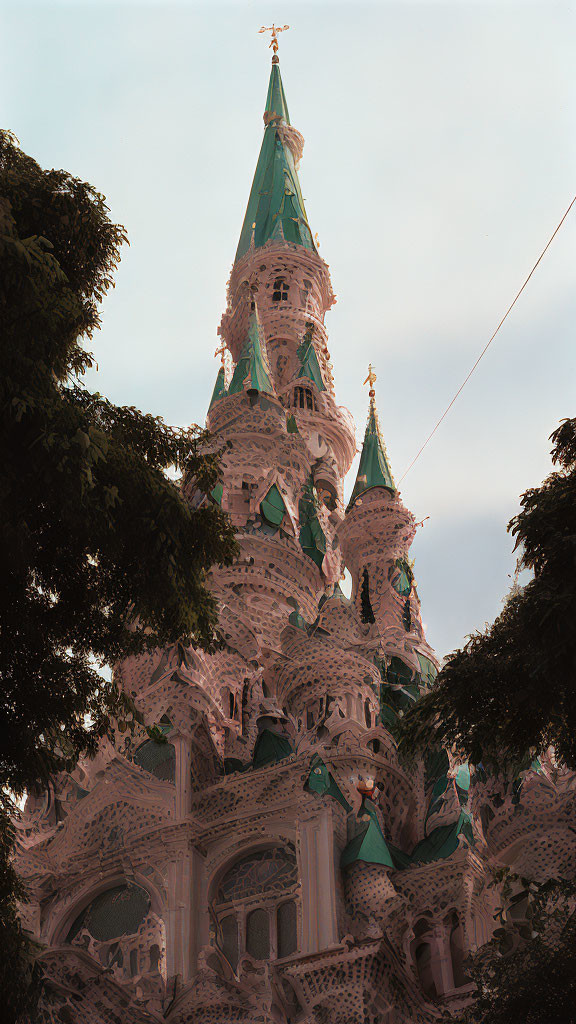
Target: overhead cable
(488, 343)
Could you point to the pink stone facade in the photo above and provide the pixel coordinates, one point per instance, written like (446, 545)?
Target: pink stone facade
(272, 860)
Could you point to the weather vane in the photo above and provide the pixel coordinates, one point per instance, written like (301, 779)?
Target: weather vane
(274, 29)
(371, 380)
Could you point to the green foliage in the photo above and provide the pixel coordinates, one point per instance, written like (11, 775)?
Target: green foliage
(102, 555)
(511, 691)
(535, 983)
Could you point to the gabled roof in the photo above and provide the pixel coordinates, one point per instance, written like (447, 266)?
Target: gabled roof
(275, 207)
(373, 470)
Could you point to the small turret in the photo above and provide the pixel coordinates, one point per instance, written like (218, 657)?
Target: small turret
(376, 536)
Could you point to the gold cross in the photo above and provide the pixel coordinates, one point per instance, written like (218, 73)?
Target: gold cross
(371, 378)
(273, 29)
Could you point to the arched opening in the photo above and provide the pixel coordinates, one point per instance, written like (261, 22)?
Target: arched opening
(304, 398)
(366, 613)
(367, 713)
(255, 905)
(157, 755)
(457, 951)
(423, 949)
(423, 960)
(115, 926)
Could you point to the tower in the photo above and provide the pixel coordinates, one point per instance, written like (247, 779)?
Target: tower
(253, 849)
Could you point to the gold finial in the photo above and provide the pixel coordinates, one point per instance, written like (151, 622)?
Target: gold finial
(371, 380)
(274, 29)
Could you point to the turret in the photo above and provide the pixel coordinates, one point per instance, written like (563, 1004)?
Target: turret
(277, 266)
(376, 536)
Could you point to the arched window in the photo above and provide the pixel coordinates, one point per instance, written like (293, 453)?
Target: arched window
(115, 925)
(157, 757)
(256, 907)
(258, 934)
(367, 713)
(422, 949)
(304, 399)
(280, 292)
(286, 928)
(423, 960)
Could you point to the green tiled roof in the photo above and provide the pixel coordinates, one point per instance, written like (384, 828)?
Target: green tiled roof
(373, 470)
(251, 372)
(275, 207)
(219, 388)
(369, 845)
(309, 365)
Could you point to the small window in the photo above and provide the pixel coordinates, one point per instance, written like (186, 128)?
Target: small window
(304, 399)
(366, 613)
(133, 963)
(367, 713)
(286, 927)
(155, 957)
(280, 292)
(258, 934)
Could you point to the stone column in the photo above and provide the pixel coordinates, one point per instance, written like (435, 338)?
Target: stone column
(442, 959)
(187, 914)
(318, 880)
(183, 749)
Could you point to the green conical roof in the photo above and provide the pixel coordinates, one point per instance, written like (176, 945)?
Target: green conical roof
(276, 98)
(309, 365)
(219, 388)
(252, 372)
(369, 845)
(373, 470)
(275, 207)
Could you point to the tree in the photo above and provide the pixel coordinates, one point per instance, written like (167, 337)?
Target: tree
(101, 554)
(510, 693)
(534, 982)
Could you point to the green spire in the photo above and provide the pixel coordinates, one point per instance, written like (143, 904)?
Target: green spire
(252, 372)
(309, 364)
(219, 388)
(373, 470)
(275, 207)
(276, 100)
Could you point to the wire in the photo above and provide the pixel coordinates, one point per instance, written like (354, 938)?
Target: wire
(487, 345)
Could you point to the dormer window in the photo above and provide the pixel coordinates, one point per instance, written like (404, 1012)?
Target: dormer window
(280, 293)
(304, 399)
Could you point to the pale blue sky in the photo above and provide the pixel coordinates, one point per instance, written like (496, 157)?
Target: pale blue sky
(440, 155)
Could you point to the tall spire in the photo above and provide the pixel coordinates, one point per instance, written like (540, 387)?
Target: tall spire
(276, 207)
(373, 470)
(252, 370)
